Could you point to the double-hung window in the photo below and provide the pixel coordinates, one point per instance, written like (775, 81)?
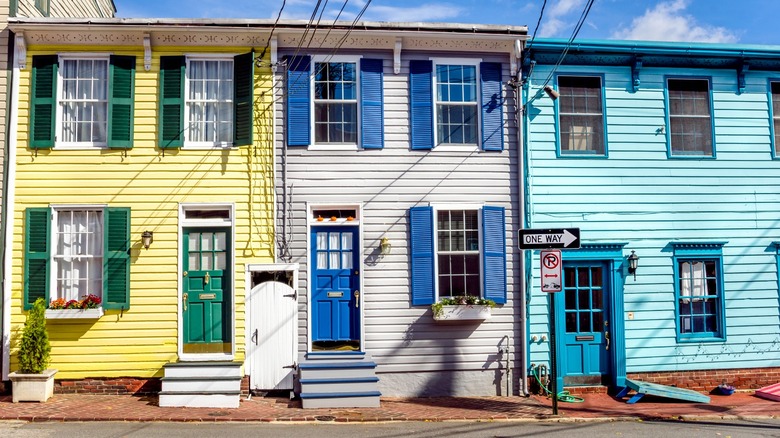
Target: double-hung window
(456, 104)
(74, 251)
(335, 103)
(774, 93)
(698, 270)
(581, 115)
(209, 102)
(83, 102)
(690, 117)
(457, 251)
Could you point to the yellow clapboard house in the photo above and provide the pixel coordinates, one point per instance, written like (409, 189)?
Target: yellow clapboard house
(141, 174)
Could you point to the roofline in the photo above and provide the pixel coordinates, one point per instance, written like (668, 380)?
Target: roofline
(24, 23)
(657, 48)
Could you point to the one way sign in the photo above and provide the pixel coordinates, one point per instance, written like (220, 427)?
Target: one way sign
(540, 238)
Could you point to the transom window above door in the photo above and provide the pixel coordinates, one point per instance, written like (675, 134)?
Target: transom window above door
(335, 102)
(209, 102)
(83, 102)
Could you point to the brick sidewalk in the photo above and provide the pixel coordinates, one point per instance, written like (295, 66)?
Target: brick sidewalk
(85, 407)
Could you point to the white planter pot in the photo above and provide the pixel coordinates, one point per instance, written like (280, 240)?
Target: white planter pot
(32, 387)
(74, 313)
(463, 312)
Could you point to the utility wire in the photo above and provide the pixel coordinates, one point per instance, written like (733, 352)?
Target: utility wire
(536, 29)
(268, 43)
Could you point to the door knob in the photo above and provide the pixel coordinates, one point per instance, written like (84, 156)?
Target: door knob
(357, 298)
(606, 337)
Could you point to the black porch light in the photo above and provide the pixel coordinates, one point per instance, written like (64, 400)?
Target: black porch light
(633, 263)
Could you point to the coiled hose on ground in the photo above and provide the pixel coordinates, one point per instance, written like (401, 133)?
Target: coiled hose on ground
(563, 396)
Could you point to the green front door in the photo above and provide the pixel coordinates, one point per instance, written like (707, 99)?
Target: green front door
(206, 306)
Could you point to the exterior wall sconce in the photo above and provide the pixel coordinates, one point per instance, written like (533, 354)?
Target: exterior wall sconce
(384, 246)
(147, 237)
(633, 263)
(554, 95)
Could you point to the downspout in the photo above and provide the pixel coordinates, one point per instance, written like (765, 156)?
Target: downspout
(519, 96)
(9, 179)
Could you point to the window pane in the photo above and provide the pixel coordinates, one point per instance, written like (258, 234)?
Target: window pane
(585, 322)
(221, 243)
(580, 115)
(221, 262)
(690, 116)
(206, 241)
(210, 101)
(333, 260)
(346, 260)
(571, 322)
(83, 101)
(78, 250)
(206, 261)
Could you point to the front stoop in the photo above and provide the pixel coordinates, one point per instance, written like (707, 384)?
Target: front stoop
(338, 380)
(201, 385)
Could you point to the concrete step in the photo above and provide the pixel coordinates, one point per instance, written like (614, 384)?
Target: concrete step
(200, 399)
(341, 400)
(336, 370)
(351, 385)
(208, 384)
(203, 369)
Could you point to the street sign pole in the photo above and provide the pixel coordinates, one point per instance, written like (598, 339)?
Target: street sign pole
(553, 361)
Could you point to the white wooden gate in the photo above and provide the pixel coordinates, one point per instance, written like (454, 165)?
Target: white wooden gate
(272, 335)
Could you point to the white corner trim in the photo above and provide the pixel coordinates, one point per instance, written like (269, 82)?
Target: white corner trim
(9, 203)
(515, 56)
(397, 55)
(147, 52)
(21, 51)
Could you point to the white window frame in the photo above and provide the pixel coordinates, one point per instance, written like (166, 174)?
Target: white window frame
(189, 144)
(54, 292)
(435, 82)
(449, 207)
(59, 143)
(335, 146)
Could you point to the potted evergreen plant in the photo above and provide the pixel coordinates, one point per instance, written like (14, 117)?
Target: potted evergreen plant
(33, 381)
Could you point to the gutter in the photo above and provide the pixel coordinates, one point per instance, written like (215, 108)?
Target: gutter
(659, 48)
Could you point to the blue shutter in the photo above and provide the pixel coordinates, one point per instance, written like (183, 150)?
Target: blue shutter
(421, 232)
(492, 106)
(421, 97)
(371, 104)
(298, 101)
(494, 253)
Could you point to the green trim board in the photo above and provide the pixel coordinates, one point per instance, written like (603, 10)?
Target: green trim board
(643, 388)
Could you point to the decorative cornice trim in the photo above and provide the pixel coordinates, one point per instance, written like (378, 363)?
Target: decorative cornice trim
(274, 54)
(21, 51)
(147, 52)
(397, 55)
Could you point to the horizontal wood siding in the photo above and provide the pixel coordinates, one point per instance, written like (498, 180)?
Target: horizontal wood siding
(139, 341)
(402, 338)
(640, 196)
(68, 8)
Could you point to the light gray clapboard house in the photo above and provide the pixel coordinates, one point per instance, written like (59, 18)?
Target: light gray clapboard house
(397, 184)
(29, 8)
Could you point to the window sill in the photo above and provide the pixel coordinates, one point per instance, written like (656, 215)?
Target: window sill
(693, 339)
(463, 313)
(74, 313)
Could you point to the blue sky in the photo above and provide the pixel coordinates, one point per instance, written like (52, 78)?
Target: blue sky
(719, 21)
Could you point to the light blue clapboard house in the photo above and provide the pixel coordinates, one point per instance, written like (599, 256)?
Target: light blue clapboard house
(397, 184)
(669, 151)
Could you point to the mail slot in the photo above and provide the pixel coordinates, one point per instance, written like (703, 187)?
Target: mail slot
(584, 338)
(207, 296)
(335, 294)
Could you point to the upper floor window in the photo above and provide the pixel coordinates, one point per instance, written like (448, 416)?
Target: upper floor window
(335, 102)
(456, 104)
(580, 115)
(699, 303)
(775, 94)
(209, 102)
(43, 6)
(690, 117)
(83, 102)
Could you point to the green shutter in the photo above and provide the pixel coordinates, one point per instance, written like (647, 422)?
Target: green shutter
(116, 258)
(36, 255)
(243, 84)
(120, 103)
(44, 101)
(171, 132)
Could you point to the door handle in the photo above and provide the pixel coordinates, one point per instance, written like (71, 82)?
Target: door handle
(184, 297)
(357, 298)
(606, 337)
(207, 278)
(254, 337)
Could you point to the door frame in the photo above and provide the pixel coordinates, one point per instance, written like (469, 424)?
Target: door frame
(612, 255)
(230, 289)
(357, 222)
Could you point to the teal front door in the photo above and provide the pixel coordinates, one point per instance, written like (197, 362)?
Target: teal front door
(585, 323)
(335, 304)
(206, 307)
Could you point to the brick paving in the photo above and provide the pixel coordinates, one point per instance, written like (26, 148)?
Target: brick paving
(87, 407)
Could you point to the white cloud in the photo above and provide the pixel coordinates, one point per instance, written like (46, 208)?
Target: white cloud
(668, 21)
(554, 20)
(425, 12)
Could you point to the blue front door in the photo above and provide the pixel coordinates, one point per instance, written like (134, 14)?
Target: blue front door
(585, 323)
(336, 298)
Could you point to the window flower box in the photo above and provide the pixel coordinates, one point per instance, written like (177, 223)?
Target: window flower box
(462, 309)
(74, 313)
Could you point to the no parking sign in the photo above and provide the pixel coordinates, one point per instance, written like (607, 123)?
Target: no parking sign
(552, 280)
